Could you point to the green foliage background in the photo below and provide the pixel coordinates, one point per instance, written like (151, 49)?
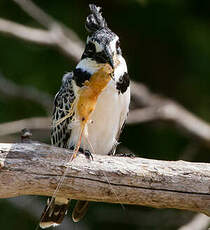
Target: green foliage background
(167, 47)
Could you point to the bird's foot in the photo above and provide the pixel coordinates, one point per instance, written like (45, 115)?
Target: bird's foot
(88, 154)
(131, 155)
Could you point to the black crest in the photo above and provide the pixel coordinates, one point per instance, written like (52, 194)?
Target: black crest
(95, 21)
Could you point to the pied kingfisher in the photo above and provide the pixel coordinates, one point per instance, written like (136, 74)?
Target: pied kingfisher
(102, 46)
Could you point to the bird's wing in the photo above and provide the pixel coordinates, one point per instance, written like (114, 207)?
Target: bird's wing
(54, 212)
(124, 114)
(61, 132)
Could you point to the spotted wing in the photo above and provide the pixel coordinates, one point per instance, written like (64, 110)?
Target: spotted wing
(60, 133)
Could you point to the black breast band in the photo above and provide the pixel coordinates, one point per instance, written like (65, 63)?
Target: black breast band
(123, 83)
(81, 76)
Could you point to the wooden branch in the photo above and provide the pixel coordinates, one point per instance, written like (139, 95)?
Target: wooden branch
(36, 168)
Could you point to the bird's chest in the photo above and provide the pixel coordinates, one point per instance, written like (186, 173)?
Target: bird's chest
(105, 121)
(106, 116)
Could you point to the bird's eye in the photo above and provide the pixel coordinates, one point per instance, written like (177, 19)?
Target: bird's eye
(90, 48)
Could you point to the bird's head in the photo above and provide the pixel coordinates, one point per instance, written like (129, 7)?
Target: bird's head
(102, 44)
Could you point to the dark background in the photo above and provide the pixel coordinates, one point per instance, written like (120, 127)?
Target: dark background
(167, 47)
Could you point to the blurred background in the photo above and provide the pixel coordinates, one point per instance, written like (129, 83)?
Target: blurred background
(167, 48)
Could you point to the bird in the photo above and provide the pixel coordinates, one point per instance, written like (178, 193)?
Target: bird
(107, 119)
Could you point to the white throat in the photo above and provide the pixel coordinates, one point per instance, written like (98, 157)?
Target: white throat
(91, 66)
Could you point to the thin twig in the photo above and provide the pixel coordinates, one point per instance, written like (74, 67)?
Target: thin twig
(158, 108)
(65, 39)
(12, 127)
(37, 36)
(11, 89)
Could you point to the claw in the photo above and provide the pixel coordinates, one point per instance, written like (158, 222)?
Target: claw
(131, 155)
(88, 154)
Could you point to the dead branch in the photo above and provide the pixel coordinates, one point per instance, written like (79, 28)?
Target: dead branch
(12, 127)
(37, 36)
(164, 109)
(35, 169)
(52, 37)
(57, 35)
(65, 39)
(11, 89)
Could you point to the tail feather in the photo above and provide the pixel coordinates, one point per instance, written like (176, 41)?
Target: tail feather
(54, 215)
(80, 210)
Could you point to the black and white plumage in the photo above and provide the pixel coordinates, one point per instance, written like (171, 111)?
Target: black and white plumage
(111, 110)
(60, 133)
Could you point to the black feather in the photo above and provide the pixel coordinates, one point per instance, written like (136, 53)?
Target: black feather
(95, 20)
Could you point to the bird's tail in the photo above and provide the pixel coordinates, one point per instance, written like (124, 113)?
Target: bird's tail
(80, 210)
(54, 214)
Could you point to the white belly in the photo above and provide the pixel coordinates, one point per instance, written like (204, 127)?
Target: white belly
(106, 121)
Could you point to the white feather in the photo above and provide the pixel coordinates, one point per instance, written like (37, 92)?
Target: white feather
(110, 112)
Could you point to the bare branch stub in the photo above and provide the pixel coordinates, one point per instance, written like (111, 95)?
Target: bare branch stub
(34, 169)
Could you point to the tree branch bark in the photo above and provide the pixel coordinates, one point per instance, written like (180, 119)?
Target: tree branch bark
(35, 169)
